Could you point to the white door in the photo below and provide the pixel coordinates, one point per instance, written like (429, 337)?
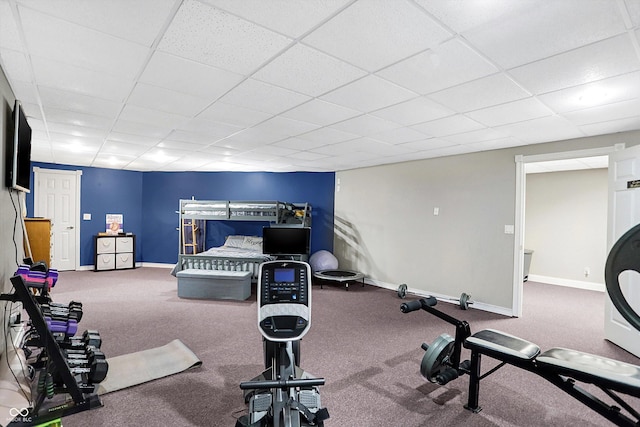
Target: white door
(624, 213)
(56, 197)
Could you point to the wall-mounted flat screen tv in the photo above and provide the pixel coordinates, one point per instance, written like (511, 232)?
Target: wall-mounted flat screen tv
(18, 151)
(286, 240)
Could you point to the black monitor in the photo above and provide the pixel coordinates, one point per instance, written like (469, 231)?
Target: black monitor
(18, 152)
(286, 240)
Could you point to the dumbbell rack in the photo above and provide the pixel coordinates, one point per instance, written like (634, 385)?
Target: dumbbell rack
(82, 397)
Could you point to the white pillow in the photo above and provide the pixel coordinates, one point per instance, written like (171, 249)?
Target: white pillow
(252, 243)
(234, 241)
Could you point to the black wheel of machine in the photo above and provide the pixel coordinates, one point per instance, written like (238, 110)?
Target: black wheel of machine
(439, 352)
(402, 291)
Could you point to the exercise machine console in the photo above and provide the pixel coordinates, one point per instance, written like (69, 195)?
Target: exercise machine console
(283, 395)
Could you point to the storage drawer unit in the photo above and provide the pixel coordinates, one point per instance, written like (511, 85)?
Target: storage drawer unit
(114, 252)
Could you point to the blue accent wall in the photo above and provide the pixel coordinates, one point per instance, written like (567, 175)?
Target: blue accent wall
(149, 202)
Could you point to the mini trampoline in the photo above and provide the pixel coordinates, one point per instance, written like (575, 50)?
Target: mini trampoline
(340, 276)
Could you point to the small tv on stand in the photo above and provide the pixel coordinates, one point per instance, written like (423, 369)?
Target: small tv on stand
(286, 242)
(18, 151)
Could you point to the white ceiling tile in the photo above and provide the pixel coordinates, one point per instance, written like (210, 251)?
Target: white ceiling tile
(328, 135)
(284, 16)
(233, 114)
(275, 150)
(26, 92)
(633, 8)
(157, 98)
(53, 38)
(399, 135)
(153, 117)
(118, 18)
(189, 163)
(212, 36)
(71, 129)
(605, 113)
(300, 143)
(448, 126)
(474, 136)
(368, 94)
(365, 125)
(414, 111)
(58, 74)
(111, 160)
(481, 93)
(464, 15)
(544, 129)
(605, 91)
(496, 144)
(74, 101)
(142, 129)
(78, 119)
(597, 61)
(546, 29)
(188, 148)
(65, 157)
(443, 66)
(16, 64)
(253, 94)
(373, 34)
(213, 130)
(307, 155)
(147, 141)
(613, 126)
(123, 148)
(321, 112)
(9, 34)
(511, 112)
(188, 76)
(309, 71)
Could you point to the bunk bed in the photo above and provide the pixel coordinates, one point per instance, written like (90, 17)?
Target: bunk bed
(239, 253)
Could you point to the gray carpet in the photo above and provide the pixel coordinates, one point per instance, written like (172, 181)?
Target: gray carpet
(368, 351)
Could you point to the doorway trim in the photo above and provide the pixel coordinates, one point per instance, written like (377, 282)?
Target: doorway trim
(78, 173)
(518, 246)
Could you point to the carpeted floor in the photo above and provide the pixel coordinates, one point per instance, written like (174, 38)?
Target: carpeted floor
(368, 351)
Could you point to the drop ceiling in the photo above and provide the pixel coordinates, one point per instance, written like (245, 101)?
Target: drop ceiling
(326, 85)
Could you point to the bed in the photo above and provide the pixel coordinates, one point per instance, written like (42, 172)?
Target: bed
(238, 253)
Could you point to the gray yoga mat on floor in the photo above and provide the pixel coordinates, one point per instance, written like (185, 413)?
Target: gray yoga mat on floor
(147, 365)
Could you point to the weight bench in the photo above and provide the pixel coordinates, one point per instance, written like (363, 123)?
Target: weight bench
(562, 367)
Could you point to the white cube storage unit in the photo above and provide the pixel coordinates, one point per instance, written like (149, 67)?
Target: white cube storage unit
(114, 252)
(214, 284)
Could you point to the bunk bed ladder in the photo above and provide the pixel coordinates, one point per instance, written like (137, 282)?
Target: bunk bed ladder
(192, 244)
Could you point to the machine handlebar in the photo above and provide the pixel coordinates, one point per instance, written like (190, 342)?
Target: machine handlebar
(269, 384)
(410, 306)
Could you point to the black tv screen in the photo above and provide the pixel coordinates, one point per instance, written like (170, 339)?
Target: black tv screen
(18, 153)
(286, 240)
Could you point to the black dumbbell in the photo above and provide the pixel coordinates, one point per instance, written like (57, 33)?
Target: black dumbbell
(89, 338)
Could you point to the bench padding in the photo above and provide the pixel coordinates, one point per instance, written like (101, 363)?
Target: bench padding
(502, 346)
(592, 369)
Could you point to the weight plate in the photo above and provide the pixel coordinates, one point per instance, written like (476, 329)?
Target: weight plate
(439, 351)
(402, 291)
(464, 301)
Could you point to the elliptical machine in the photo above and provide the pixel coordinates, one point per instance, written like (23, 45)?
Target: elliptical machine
(283, 395)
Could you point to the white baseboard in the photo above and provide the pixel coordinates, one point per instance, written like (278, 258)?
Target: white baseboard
(600, 287)
(443, 298)
(138, 264)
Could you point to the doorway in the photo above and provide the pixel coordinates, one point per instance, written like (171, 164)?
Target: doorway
(57, 197)
(519, 241)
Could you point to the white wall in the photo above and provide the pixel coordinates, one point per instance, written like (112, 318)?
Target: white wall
(385, 227)
(566, 226)
(10, 230)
